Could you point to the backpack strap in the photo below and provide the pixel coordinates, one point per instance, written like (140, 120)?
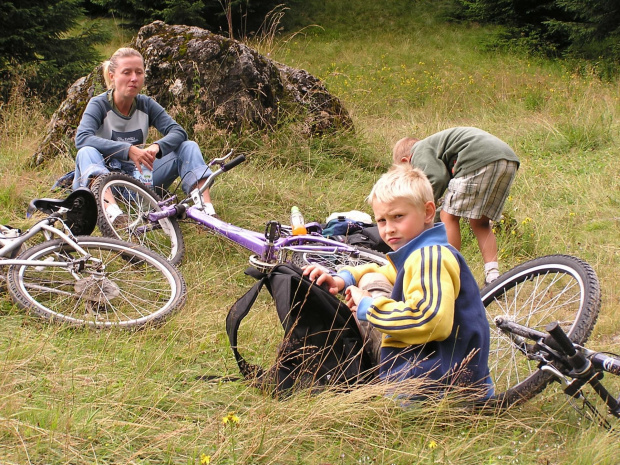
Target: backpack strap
(233, 320)
(242, 307)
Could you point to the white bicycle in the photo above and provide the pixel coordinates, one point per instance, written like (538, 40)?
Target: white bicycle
(83, 280)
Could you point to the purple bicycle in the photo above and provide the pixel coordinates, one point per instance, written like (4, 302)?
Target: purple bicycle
(540, 312)
(153, 223)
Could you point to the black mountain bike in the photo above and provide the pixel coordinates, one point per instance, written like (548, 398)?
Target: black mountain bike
(541, 313)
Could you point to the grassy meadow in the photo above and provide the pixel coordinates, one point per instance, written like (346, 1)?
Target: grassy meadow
(159, 396)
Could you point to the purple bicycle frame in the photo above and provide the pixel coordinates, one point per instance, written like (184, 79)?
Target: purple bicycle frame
(254, 241)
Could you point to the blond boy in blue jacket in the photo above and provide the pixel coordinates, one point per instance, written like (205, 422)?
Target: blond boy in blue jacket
(433, 324)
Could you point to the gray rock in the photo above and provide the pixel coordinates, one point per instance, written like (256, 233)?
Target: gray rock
(206, 81)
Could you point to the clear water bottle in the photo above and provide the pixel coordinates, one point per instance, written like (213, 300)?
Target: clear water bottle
(298, 225)
(146, 177)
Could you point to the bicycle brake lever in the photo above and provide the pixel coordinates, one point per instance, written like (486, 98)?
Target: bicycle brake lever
(557, 374)
(221, 160)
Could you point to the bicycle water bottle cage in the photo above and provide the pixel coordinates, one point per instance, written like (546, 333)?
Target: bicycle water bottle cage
(78, 210)
(272, 231)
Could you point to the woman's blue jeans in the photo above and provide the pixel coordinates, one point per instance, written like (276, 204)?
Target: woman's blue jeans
(186, 162)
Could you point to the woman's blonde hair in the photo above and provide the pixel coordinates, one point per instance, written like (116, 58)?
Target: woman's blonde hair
(110, 65)
(402, 181)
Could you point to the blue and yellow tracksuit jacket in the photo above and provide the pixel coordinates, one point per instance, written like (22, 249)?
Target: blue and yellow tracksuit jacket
(434, 324)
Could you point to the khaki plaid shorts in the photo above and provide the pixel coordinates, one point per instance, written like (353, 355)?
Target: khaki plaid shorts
(482, 193)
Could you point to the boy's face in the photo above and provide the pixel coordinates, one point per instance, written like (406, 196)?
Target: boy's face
(399, 221)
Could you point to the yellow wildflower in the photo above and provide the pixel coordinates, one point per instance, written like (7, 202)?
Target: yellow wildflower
(432, 444)
(231, 418)
(205, 459)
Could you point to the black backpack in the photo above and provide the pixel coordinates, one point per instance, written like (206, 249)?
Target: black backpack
(368, 237)
(360, 236)
(322, 343)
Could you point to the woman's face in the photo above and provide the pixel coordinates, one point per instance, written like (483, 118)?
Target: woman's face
(128, 78)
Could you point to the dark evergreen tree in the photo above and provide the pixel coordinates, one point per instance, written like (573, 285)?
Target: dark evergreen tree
(131, 13)
(595, 27)
(42, 42)
(234, 17)
(583, 28)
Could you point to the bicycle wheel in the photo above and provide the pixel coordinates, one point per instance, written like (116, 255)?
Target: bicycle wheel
(136, 201)
(551, 288)
(117, 284)
(335, 261)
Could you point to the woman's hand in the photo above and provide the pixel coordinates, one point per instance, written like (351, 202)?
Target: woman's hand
(153, 149)
(144, 157)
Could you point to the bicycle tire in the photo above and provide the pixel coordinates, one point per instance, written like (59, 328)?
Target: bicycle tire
(335, 261)
(136, 201)
(550, 288)
(137, 286)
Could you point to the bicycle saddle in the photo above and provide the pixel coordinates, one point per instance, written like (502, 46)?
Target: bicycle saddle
(81, 217)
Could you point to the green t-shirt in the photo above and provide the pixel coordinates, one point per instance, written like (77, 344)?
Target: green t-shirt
(456, 152)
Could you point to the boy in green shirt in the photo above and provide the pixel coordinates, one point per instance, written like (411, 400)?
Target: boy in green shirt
(475, 169)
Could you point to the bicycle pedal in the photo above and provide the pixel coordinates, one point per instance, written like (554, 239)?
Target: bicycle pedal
(272, 231)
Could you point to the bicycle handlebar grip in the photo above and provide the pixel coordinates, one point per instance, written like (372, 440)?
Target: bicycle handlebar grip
(231, 164)
(578, 361)
(561, 338)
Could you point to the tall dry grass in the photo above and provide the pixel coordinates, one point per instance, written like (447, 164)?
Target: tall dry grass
(159, 396)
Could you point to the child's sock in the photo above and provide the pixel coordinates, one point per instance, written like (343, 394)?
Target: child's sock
(113, 211)
(491, 271)
(209, 210)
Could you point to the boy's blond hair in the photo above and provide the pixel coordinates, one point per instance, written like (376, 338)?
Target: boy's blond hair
(402, 181)
(402, 149)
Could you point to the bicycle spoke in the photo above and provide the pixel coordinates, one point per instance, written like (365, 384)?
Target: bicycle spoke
(547, 289)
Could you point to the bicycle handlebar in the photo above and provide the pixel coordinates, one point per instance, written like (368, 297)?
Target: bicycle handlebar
(561, 338)
(196, 193)
(231, 164)
(606, 362)
(218, 161)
